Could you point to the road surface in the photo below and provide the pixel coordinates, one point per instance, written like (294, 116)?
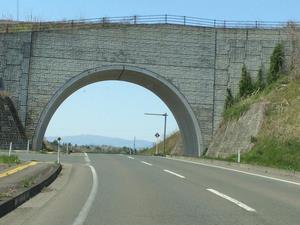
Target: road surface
(98, 189)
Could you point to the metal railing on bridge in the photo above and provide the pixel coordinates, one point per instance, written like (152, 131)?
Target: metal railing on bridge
(7, 26)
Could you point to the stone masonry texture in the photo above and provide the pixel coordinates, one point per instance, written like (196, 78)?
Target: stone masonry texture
(11, 129)
(200, 62)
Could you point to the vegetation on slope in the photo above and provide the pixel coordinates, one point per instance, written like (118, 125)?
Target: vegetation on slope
(171, 142)
(278, 142)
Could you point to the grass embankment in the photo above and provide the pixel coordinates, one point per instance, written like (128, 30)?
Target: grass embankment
(278, 142)
(171, 142)
(5, 159)
(13, 27)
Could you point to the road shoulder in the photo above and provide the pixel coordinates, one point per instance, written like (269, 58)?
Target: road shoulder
(59, 203)
(278, 174)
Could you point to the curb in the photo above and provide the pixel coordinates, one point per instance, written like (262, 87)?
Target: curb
(18, 200)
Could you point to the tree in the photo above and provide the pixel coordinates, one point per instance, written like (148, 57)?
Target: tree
(276, 63)
(229, 99)
(245, 85)
(260, 84)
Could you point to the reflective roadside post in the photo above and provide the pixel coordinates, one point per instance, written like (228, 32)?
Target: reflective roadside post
(10, 148)
(28, 144)
(58, 150)
(239, 156)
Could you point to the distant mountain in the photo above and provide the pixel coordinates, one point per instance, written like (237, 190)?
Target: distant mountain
(102, 140)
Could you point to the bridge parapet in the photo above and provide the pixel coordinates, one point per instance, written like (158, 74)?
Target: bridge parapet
(7, 26)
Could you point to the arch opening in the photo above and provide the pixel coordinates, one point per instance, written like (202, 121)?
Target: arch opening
(165, 90)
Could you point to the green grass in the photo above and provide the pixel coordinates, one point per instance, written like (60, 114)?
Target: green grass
(242, 105)
(235, 111)
(13, 159)
(273, 152)
(270, 152)
(37, 26)
(27, 182)
(278, 143)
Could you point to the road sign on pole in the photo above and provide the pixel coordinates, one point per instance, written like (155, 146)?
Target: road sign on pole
(58, 150)
(156, 148)
(165, 125)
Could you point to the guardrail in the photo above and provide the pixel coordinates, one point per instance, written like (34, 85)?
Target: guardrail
(16, 26)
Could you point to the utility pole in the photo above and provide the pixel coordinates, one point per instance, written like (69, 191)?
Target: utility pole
(165, 131)
(165, 125)
(156, 148)
(134, 144)
(17, 10)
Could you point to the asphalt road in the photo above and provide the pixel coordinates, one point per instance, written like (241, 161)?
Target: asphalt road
(142, 190)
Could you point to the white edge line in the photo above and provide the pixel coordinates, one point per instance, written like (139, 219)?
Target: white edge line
(149, 164)
(130, 157)
(240, 204)
(176, 174)
(88, 204)
(238, 171)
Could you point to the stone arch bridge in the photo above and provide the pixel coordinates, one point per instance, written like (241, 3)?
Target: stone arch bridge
(188, 67)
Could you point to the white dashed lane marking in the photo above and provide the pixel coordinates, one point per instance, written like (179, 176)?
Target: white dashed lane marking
(149, 164)
(240, 204)
(175, 174)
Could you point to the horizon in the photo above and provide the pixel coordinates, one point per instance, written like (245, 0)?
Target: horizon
(96, 135)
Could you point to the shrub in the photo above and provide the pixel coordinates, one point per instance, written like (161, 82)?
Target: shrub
(245, 85)
(260, 84)
(229, 99)
(276, 63)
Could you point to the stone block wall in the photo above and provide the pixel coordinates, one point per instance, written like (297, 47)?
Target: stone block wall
(11, 128)
(200, 62)
(14, 68)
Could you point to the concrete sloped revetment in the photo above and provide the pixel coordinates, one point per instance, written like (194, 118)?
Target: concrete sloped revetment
(188, 67)
(10, 125)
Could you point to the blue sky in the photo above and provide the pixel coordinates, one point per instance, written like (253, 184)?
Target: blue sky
(111, 108)
(221, 9)
(116, 108)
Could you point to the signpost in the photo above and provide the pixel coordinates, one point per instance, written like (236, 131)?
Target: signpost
(157, 136)
(165, 125)
(58, 150)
